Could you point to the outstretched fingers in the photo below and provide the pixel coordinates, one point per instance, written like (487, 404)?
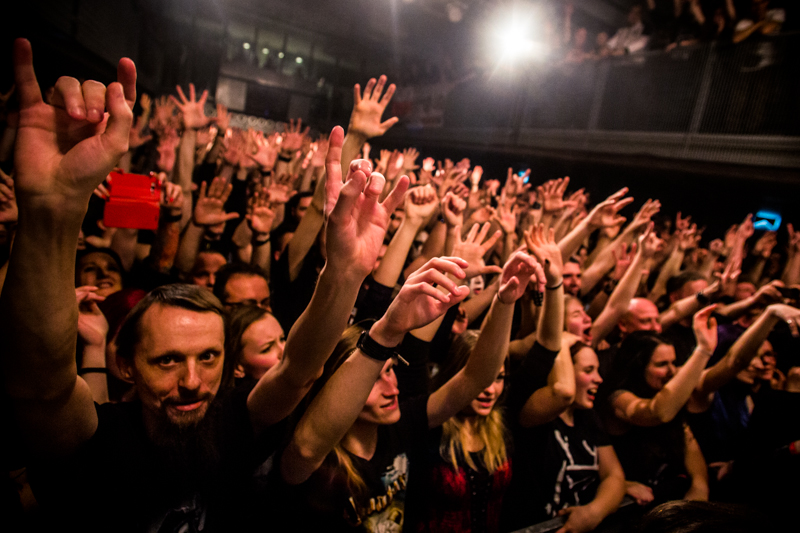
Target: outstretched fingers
(24, 76)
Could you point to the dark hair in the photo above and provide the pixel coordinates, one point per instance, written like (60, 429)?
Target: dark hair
(180, 295)
(225, 273)
(630, 362)
(457, 356)
(676, 283)
(236, 323)
(702, 517)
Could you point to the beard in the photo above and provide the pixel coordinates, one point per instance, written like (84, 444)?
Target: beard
(188, 450)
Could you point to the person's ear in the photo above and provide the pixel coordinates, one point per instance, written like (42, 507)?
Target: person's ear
(125, 368)
(238, 371)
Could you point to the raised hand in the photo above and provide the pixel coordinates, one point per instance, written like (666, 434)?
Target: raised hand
(259, 215)
(8, 200)
(794, 239)
(420, 204)
(293, 136)
(92, 324)
(645, 213)
(765, 244)
(551, 195)
(365, 120)
(192, 110)
(425, 296)
(266, 153)
(507, 217)
(223, 118)
(452, 209)
(705, 329)
(63, 151)
(542, 244)
(356, 221)
(210, 207)
(515, 184)
(649, 243)
(135, 138)
(474, 247)
(410, 156)
(606, 213)
(519, 270)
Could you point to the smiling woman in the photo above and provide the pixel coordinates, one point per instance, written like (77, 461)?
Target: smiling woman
(99, 268)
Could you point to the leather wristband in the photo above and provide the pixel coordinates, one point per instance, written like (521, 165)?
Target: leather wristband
(372, 349)
(261, 242)
(284, 158)
(93, 370)
(703, 299)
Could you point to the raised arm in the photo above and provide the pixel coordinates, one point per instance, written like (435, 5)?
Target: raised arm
(740, 354)
(625, 290)
(490, 351)
(605, 214)
(365, 120)
(340, 401)
(62, 153)
(667, 402)
(354, 233)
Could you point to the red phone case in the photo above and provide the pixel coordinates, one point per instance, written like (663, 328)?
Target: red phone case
(133, 201)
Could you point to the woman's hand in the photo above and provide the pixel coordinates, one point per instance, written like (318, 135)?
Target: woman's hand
(705, 329)
(519, 270)
(542, 244)
(92, 324)
(580, 519)
(642, 494)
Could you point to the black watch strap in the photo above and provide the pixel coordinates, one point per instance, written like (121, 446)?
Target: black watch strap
(703, 299)
(372, 349)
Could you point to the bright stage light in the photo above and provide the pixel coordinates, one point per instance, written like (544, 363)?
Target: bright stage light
(246, 46)
(299, 60)
(517, 36)
(280, 55)
(265, 51)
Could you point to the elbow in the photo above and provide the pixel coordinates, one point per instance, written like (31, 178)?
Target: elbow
(665, 415)
(564, 394)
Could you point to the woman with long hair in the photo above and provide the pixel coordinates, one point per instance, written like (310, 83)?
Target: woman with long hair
(644, 412)
(346, 467)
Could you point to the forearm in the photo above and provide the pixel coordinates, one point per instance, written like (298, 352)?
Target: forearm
(609, 495)
(304, 238)
(185, 163)
(395, 257)
(329, 416)
(571, 243)
(696, 468)
(94, 356)
(38, 313)
(756, 271)
(551, 317)
(666, 404)
(261, 254)
(619, 300)
(669, 269)
(491, 347)
(707, 268)
(353, 142)
(188, 247)
(124, 243)
(478, 303)
(165, 245)
(791, 273)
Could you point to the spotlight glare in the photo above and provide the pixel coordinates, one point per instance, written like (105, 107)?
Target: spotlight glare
(280, 55)
(265, 51)
(246, 46)
(299, 60)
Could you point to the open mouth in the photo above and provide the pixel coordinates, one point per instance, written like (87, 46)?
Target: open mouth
(591, 394)
(105, 284)
(587, 334)
(390, 405)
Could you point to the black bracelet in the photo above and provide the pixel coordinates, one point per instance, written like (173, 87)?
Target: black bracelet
(93, 370)
(373, 350)
(260, 242)
(702, 298)
(538, 298)
(173, 218)
(560, 283)
(285, 158)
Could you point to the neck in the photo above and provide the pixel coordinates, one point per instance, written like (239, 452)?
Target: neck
(361, 439)
(568, 416)
(474, 443)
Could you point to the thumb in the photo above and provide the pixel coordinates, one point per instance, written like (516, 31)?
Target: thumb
(231, 216)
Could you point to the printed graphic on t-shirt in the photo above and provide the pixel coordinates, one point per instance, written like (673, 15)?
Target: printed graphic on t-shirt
(579, 470)
(386, 513)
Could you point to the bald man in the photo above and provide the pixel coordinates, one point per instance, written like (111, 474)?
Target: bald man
(642, 315)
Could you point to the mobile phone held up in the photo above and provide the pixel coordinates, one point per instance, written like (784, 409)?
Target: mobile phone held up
(133, 201)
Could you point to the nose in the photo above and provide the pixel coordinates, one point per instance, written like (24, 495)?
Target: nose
(212, 279)
(190, 378)
(390, 384)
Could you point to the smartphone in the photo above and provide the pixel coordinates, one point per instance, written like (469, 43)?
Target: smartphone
(133, 201)
(767, 220)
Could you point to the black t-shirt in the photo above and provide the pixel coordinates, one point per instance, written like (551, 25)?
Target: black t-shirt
(518, 505)
(323, 502)
(119, 480)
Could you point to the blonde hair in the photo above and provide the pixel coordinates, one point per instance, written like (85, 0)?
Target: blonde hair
(355, 483)
(490, 430)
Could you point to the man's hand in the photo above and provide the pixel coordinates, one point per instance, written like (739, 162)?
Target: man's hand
(365, 120)
(192, 110)
(551, 195)
(210, 207)
(167, 146)
(293, 136)
(356, 221)
(223, 118)
(452, 208)
(63, 151)
(765, 244)
(642, 494)
(646, 212)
